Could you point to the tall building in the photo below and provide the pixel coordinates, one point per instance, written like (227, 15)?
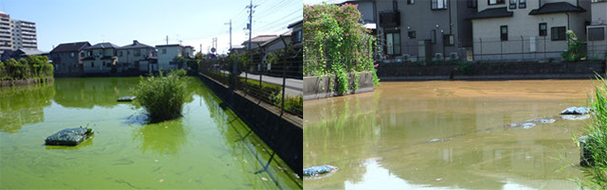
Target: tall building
(5, 32)
(16, 34)
(24, 34)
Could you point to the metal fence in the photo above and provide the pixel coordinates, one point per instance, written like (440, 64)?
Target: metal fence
(278, 82)
(519, 48)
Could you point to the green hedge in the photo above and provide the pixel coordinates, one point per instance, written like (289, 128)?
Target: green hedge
(32, 67)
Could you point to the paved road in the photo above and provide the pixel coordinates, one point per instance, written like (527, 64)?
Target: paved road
(293, 86)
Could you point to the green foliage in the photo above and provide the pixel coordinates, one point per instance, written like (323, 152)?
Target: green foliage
(293, 104)
(336, 43)
(466, 68)
(597, 142)
(375, 79)
(32, 67)
(574, 47)
(162, 97)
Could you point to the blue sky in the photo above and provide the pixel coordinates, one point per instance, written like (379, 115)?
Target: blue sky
(194, 22)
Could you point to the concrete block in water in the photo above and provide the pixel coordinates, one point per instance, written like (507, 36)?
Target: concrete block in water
(317, 170)
(126, 99)
(69, 137)
(576, 111)
(585, 154)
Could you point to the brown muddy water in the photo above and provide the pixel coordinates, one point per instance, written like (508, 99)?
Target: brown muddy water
(447, 135)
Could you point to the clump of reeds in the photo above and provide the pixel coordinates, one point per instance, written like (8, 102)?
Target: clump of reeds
(161, 96)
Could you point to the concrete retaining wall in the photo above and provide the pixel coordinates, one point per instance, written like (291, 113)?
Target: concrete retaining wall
(494, 71)
(284, 134)
(24, 82)
(317, 87)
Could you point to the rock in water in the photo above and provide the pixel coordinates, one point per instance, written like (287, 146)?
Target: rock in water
(575, 117)
(575, 111)
(126, 99)
(317, 170)
(70, 136)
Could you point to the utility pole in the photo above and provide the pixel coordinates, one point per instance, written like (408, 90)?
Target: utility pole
(250, 27)
(167, 39)
(230, 33)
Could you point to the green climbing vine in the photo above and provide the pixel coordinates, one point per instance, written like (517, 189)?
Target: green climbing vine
(336, 44)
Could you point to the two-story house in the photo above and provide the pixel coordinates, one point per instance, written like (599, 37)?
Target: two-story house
(167, 53)
(424, 29)
(100, 58)
(136, 57)
(67, 58)
(597, 30)
(526, 29)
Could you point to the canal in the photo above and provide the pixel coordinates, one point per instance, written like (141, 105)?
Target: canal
(209, 147)
(447, 135)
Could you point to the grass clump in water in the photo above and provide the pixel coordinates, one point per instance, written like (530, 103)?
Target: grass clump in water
(596, 143)
(161, 96)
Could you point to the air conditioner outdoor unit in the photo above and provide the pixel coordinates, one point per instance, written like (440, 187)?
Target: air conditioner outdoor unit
(454, 56)
(407, 57)
(438, 56)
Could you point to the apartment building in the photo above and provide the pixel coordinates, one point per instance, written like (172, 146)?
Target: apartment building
(5, 33)
(426, 30)
(24, 34)
(597, 30)
(100, 58)
(526, 29)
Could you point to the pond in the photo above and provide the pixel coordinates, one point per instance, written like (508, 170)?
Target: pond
(209, 147)
(447, 135)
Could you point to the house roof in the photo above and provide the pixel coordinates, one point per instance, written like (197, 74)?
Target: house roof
(560, 7)
(30, 52)
(105, 45)
(277, 38)
(168, 45)
(295, 24)
(135, 45)
(69, 47)
(260, 39)
(492, 13)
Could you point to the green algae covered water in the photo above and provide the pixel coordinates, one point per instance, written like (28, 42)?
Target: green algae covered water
(447, 135)
(210, 147)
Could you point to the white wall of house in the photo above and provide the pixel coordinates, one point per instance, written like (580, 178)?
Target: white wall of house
(599, 12)
(166, 55)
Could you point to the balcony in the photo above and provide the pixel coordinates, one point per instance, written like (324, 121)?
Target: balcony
(389, 19)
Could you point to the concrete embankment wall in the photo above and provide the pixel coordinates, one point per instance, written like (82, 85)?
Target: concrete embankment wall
(284, 134)
(492, 71)
(24, 82)
(317, 87)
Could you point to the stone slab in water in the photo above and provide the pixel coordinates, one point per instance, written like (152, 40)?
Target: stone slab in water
(69, 136)
(317, 170)
(575, 111)
(126, 99)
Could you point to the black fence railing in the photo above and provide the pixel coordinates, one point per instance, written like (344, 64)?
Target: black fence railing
(276, 82)
(515, 48)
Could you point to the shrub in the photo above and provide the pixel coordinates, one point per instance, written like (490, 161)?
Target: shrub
(574, 47)
(31, 67)
(161, 97)
(465, 68)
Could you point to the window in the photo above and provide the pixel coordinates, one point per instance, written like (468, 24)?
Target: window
(543, 29)
(82, 54)
(439, 4)
(472, 3)
(448, 40)
(412, 35)
(93, 64)
(393, 42)
(394, 5)
(128, 52)
(504, 33)
(72, 54)
(512, 4)
(90, 53)
(596, 34)
(410, 2)
(164, 51)
(558, 33)
(433, 36)
(522, 4)
(137, 53)
(120, 53)
(496, 2)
